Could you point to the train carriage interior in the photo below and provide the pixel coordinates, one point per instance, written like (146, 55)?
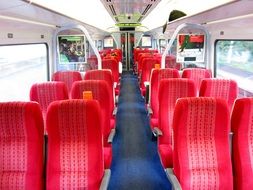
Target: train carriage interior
(126, 94)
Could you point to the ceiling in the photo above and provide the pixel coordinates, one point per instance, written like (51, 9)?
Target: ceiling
(98, 16)
(129, 11)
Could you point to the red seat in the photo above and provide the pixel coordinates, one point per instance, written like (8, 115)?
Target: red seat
(242, 127)
(197, 74)
(156, 76)
(148, 65)
(21, 146)
(113, 65)
(103, 74)
(101, 92)
(75, 146)
(220, 88)
(68, 77)
(93, 62)
(47, 92)
(169, 91)
(201, 156)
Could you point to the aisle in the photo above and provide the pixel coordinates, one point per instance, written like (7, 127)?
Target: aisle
(135, 164)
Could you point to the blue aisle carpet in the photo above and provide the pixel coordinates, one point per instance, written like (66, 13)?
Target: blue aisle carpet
(135, 164)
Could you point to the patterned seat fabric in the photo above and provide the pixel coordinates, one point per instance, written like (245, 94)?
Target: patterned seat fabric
(103, 74)
(156, 76)
(21, 146)
(220, 88)
(75, 153)
(197, 74)
(148, 65)
(100, 92)
(169, 91)
(47, 92)
(113, 65)
(201, 156)
(242, 127)
(68, 77)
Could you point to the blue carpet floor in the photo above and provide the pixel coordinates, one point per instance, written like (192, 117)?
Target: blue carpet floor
(135, 164)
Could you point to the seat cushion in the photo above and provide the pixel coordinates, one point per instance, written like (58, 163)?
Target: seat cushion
(112, 123)
(165, 152)
(107, 157)
(153, 123)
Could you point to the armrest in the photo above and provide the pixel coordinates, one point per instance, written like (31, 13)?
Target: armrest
(111, 136)
(115, 84)
(150, 111)
(115, 111)
(157, 131)
(105, 180)
(146, 83)
(173, 179)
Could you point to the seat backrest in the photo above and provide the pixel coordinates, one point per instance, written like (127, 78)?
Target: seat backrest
(47, 92)
(169, 91)
(141, 58)
(148, 65)
(100, 92)
(242, 127)
(156, 76)
(201, 156)
(75, 155)
(170, 61)
(93, 62)
(68, 77)
(103, 74)
(197, 74)
(220, 88)
(21, 146)
(113, 65)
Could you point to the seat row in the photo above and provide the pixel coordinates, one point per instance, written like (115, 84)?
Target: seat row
(201, 150)
(200, 83)
(68, 77)
(75, 157)
(165, 90)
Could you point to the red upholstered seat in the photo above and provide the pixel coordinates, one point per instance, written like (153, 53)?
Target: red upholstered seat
(169, 91)
(75, 146)
(47, 92)
(201, 156)
(103, 74)
(148, 65)
(106, 75)
(113, 65)
(101, 92)
(220, 88)
(197, 74)
(242, 127)
(68, 77)
(156, 76)
(21, 146)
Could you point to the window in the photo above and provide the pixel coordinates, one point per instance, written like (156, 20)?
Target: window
(146, 41)
(234, 59)
(108, 42)
(20, 67)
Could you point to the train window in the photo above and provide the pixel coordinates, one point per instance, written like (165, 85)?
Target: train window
(20, 67)
(108, 42)
(234, 59)
(146, 41)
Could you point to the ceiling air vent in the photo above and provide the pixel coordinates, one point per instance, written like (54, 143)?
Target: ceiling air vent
(112, 10)
(139, 20)
(147, 9)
